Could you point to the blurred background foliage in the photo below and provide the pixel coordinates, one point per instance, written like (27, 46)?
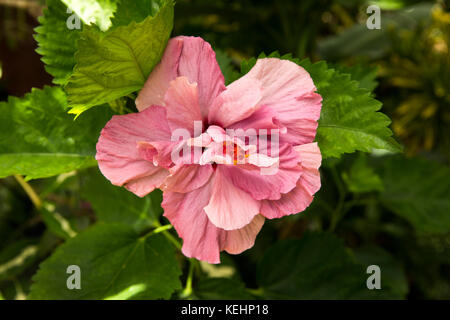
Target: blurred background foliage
(389, 210)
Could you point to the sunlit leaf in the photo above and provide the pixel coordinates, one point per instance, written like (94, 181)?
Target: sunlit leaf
(113, 64)
(98, 12)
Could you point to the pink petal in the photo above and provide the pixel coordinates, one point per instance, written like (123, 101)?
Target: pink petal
(201, 239)
(237, 102)
(310, 155)
(263, 118)
(309, 183)
(118, 153)
(159, 80)
(229, 208)
(237, 241)
(186, 178)
(143, 186)
(310, 160)
(193, 58)
(267, 186)
(289, 90)
(198, 63)
(181, 101)
(159, 152)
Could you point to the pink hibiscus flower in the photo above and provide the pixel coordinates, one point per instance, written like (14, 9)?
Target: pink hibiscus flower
(218, 186)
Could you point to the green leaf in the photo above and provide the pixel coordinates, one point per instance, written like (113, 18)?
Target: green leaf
(136, 10)
(115, 263)
(98, 12)
(393, 276)
(56, 42)
(114, 204)
(349, 120)
(39, 139)
(316, 267)
(361, 177)
(358, 40)
(222, 289)
(364, 75)
(113, 64)
(419, 191)
(229, 71)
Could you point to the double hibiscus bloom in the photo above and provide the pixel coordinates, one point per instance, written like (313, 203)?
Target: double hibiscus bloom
(218, 187)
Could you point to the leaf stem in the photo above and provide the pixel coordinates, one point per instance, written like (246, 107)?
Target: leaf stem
(34, 197)
(337, 213)
(162, 229)
(167, 234)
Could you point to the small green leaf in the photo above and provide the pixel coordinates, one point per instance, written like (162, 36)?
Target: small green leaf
(39, 139)
(115, 263)
(56, 42)
(316, 267)
(419, 191)
(222, 289)
(113, 64)
(361, 177)
(114, 204)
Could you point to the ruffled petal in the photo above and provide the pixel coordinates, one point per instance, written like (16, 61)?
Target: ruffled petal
(202, 239)
(289, 90)
(237, 102)
(186, 178)
(237, 241)
(193, 58)
(159, 152)
(144, 185)
(118, 154)
(229, 208)
(272, 184)
(302, 195)
(265, 118)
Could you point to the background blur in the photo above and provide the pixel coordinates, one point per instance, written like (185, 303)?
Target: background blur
(406, 63)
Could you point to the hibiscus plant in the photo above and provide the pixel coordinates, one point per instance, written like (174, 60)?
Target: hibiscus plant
(182, 164)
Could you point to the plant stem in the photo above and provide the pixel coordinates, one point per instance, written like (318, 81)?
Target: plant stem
(188, 288)
(256, 292)
(34, 197)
